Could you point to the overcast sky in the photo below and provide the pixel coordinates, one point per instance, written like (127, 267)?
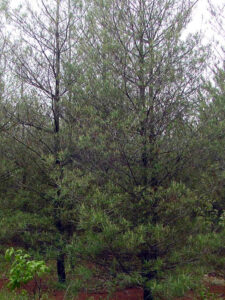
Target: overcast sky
(200, 20)
(200, 16)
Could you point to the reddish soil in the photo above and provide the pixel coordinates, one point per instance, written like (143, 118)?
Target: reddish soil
(2, 283)
(217, 290)
(127, 294)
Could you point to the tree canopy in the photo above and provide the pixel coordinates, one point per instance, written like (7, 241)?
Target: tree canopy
(112, 143)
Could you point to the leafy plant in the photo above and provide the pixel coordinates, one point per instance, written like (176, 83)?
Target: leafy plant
(23, 269)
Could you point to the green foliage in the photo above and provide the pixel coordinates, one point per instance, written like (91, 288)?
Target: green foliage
(12, 295)
(166, 231)
(173, 286)
(112, 148)
(203, 293)
(5, 294)
(23, 269)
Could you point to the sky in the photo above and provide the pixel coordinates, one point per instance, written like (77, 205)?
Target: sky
(200, 18)
(201, 22)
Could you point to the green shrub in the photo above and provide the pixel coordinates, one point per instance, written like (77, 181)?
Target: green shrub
(23, 269)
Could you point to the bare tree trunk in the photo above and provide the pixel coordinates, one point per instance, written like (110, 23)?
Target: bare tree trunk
(142, 103)
(61, 256)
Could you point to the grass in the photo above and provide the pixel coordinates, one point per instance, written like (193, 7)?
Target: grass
(7, 295)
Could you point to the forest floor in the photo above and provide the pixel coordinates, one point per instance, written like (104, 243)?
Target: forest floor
(215, 290)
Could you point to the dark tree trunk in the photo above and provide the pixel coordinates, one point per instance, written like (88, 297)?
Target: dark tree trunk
(61, 268)
(148, 255)
(148, 277)
(148, 294)
(56, 99)
(61, 271)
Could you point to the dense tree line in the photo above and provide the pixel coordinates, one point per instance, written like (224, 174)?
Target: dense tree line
(112, 142)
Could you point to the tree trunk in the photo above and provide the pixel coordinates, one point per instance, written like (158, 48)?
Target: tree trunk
(147, 294)
(61, 257)
(148, 255)
(61, 268)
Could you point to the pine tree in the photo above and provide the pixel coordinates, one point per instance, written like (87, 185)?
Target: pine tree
(143, 82)
(41, 59)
